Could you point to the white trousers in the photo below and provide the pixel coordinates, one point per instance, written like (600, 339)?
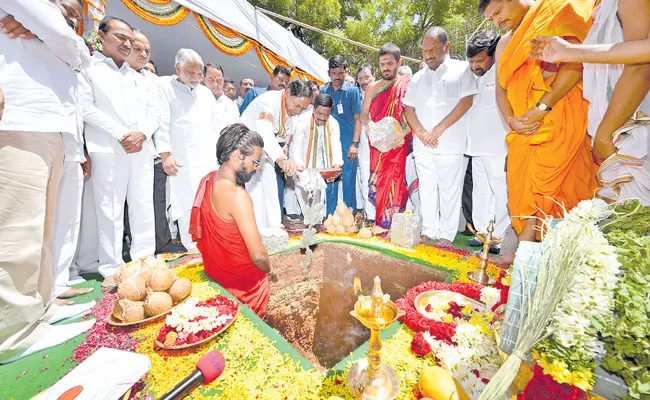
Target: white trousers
(67, 222)
(263, 189)
(87, 259)
(413, 202)
(184, 231)
(117, 178)
(30, 169)
(363, 175)
(291, 193)
(490, 194)
(441, 188)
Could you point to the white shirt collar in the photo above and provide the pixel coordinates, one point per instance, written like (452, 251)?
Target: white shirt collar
(109, 61)
(181, 85)
(441, 67)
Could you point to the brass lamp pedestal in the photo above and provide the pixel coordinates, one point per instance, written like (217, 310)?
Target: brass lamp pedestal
(370, 379)
(488, 240)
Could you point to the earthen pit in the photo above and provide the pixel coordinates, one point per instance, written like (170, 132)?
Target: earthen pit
(311, 310)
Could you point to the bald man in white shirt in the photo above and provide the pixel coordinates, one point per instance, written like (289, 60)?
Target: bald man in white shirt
(120, 114)
(187, 139)
(436, 101)
(39, 81)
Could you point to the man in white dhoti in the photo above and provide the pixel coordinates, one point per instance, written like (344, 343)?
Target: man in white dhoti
(486, 142)
(365, 76)
(271, 115)
(40, 84)
(316, 144)
(120, 115)
(227, 110)
(436, 101)
(619, 104)
(187, 137)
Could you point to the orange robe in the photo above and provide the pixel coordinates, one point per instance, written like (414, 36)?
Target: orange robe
(553, 167)
(224, 252)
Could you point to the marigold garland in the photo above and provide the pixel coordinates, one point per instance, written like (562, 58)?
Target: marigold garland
(165, 14)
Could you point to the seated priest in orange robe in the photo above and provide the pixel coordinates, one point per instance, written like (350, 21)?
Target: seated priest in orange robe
(549, 165)
(223, 221)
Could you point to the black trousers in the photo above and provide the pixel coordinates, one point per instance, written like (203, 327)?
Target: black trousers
(163, 235)
(467, 194)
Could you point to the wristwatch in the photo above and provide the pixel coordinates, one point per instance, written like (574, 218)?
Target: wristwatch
(542, 107)
(355, 144)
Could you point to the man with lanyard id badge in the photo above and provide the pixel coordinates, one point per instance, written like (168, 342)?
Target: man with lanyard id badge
(347, 100)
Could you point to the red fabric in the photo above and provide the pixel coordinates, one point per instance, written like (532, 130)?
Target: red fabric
(543, 387)
(387, 184)
(225, 256)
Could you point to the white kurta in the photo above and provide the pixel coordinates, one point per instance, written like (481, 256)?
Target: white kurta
(189, 130)
(626, 174)
(300, 149)
(486, 144)
(116, 101)
(264, 115)
(227, 112)
(434, 94)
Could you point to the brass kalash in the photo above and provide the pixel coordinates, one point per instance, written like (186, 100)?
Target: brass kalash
(370, 379)
(488, 240)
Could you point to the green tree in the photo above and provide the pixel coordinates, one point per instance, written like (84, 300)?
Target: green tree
(375, 22)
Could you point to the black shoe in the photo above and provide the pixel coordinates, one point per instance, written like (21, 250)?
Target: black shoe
(474, 243)
(494, 250)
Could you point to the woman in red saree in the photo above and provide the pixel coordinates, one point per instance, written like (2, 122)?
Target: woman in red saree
(223, 221)
(387, 185)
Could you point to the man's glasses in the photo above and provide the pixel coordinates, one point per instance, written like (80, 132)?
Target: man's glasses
(256, 163)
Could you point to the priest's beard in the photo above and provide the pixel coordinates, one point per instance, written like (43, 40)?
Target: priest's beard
(241, 176)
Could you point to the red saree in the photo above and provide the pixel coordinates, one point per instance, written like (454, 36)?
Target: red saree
(387, 185)
(225, 255)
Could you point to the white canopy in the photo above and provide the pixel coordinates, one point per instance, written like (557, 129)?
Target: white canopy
(237, 15)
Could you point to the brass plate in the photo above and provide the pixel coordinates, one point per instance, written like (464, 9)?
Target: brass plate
(422, 299)
(185, 346)
(111, 320)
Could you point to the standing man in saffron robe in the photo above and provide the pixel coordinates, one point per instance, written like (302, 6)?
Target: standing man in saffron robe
(549, 164)
(223, 221)
(387, 186)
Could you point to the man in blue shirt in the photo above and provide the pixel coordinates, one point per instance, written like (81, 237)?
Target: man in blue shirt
(346, 111)
(279, 80)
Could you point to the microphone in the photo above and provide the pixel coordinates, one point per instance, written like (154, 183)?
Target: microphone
(209, 367)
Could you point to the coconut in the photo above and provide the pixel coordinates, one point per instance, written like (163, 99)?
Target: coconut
(341, 209)
(161, 279)
(350, 229)
(364, 233)
(148, 262)
(331, 229)
(340, 229)
(145, 274)
(119, 306)
(133, 288)
(127, 270)
(134, 313)
(348, 220)
(157, 303)
(336, 220)
(180, 289)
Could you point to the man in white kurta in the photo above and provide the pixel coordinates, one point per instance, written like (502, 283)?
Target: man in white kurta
(187, 138)
(272, 115)
(120, 115)
(619, 105)
(486, 144)
(436, 100)
(39, 83)
(316, 144)
(227, 110)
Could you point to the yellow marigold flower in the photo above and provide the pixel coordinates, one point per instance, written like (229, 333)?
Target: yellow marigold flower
(507, 280)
